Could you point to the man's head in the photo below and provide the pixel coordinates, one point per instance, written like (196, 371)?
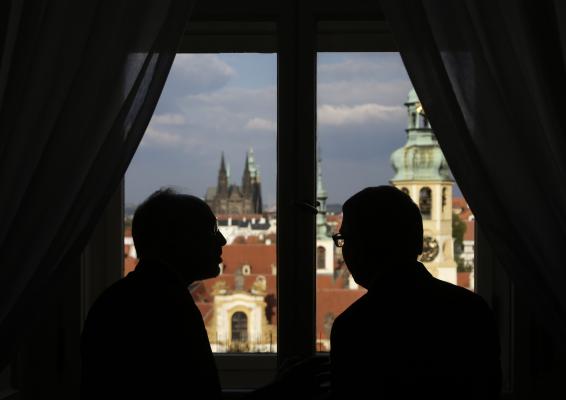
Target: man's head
(381, 226)
(181, 231)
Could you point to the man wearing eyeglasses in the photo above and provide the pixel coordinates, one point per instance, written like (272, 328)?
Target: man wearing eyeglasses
(144, 337)
(410, 335)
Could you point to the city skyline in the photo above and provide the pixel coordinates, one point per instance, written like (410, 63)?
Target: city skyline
(214, 103)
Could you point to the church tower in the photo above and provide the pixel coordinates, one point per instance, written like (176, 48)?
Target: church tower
(254, 182)
(422, 172)
(324, 243)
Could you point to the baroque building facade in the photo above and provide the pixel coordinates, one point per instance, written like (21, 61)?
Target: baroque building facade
(422, 172)
(227, 198)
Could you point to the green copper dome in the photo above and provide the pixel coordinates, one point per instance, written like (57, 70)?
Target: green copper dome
(412, 97)
(420, 158)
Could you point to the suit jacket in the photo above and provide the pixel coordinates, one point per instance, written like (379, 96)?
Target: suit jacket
(145, 338)
(413, 335)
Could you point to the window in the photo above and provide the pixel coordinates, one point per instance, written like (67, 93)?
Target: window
(239, 329)
(298, 253)
(320, 257)
(425, 202)
(246, 269)
(213, 135)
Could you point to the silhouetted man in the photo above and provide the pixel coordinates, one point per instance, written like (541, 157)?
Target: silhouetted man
(145, 337)
(411, 335)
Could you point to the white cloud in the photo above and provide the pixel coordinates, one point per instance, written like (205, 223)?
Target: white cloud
(162, 138)
(261, 124)
(236, 99)
(169, 140)
(169, 119)
(358, 92)
(359, 114)
(198, 73)
(229, 114)
(356, 69)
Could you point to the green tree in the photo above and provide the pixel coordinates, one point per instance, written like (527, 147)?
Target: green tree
(458, 231)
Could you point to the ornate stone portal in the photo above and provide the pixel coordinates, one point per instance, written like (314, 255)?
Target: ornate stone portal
(422, 172)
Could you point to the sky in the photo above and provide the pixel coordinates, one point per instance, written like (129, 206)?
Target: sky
(214, 103)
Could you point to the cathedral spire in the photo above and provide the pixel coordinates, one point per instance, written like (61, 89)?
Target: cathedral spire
(222, 176)
(246, 177)
(222, 163)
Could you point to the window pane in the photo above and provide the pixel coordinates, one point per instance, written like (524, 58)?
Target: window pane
(213, 135)
(373, 131)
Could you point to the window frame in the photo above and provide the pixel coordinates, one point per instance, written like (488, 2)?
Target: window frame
(275, 27)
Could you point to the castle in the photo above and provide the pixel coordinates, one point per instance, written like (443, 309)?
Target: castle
(228, 198)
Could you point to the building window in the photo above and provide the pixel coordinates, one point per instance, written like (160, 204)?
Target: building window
(320, 257)
(425, 202)
(239, 327)
(246, 269)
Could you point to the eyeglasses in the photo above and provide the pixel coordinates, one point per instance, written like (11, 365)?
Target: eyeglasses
(338, 239)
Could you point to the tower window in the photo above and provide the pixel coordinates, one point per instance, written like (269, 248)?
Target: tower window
(425, 202)
(423, 123)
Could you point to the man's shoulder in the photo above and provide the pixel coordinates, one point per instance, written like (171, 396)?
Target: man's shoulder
(113, 299)
(457, 292)
(358, 309)
(466, 302)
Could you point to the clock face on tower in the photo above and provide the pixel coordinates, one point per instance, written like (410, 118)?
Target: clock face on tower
(430, 249)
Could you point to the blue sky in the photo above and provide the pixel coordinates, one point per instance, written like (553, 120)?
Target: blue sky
(227, 102)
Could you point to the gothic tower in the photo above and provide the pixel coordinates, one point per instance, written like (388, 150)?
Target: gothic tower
(246, 177)
(422, 172)
(222, 177)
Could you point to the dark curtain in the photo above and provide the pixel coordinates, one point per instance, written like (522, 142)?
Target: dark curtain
(79, 81)
(491, 75)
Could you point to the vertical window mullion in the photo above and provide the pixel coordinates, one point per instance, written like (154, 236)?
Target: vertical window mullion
(296, 181)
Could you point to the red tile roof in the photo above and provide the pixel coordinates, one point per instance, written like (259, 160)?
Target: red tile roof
(464, 279)
(461, 208)
(331, 303)
(129, 264)
(259, 257)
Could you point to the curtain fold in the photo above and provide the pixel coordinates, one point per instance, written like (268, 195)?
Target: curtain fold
(79, 82)
(491, 76)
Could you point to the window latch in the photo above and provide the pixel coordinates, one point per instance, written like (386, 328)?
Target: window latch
(309, 207)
